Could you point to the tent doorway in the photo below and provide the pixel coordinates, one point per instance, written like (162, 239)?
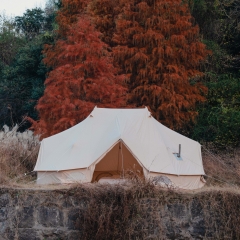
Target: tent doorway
(116, 163)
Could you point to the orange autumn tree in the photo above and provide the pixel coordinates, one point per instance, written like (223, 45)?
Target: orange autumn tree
(83, 76)
(159, 49)
(105, 13)
(69, 14)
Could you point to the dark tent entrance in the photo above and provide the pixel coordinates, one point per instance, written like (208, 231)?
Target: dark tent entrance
(116, 163)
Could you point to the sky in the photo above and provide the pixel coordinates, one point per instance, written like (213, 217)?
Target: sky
(18, 7)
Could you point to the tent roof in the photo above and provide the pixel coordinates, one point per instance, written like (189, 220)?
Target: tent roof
(152, 144)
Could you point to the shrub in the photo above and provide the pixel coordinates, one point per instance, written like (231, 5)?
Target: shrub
(18, 154)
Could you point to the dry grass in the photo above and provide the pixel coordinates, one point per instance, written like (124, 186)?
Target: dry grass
(222, 167)
(18, 154)
(132, 211)
(116, 211)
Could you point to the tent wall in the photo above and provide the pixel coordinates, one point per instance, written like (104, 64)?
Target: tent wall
(68, 176)
(85, 175)
(184, 182)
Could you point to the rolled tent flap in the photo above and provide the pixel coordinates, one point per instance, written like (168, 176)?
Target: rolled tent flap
(74, 153)
(68, 176)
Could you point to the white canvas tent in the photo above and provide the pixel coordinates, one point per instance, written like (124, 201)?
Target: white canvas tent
(111, 141)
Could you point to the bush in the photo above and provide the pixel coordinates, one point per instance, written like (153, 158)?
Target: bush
(18, 154)
(219, 118)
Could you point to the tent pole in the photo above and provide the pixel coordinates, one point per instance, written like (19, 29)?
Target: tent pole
(122, 160)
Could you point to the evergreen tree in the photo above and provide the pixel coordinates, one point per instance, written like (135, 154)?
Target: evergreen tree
(21, 83)
(218, 118)
(31, 23)
(10, 42)
(21, 67)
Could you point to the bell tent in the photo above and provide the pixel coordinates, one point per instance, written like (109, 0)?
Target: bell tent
(111, 141)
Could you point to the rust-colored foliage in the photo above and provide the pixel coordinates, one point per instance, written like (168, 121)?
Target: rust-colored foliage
(83, 76)
(105, 13)
(69, 13)
(158, 48)
(155, 44)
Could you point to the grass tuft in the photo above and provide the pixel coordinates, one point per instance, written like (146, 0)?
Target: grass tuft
(18, 154)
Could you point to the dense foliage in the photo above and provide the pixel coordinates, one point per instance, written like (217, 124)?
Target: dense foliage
(83, 76)
(219, 116)
(22, 72)
(22, 83)
(159, 49)
(154, 46)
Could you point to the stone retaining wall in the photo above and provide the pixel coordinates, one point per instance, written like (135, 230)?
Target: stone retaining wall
(35, 215)
(42, 214)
